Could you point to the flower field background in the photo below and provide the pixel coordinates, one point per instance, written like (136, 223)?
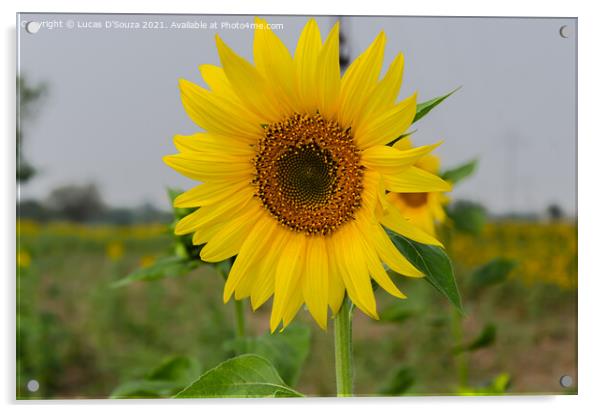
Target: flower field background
(79, 335)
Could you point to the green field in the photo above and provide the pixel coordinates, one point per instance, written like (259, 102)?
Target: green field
(80, 337)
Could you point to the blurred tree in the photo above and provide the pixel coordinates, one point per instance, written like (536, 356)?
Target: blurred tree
(148, 212)
(77, 203)
(555, 212)
(27, 99)
(34, 209)
(120, 216)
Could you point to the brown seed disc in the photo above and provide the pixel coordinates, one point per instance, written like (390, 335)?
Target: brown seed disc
(415, 200)
(308, 174)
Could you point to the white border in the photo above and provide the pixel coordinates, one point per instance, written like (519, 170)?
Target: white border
(589, 217)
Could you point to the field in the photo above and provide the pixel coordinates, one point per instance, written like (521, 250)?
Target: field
(79, 336)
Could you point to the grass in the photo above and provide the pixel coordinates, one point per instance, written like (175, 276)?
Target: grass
(80, 338)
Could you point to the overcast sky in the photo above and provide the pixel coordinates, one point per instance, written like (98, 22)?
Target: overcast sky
(113, 104)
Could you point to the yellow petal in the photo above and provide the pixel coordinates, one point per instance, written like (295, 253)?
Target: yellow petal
(424, 221)
(287, 275)
(403, 144)
(414, 179)
(274, 62)
(353, 269)
(388, 160)
(376, 269)
(207, 230)
(385, 93)
(437, 206)
(264, 287)
(429, 163)
(306, 61)
(250, 86)
(382, 278)
(228, 240)
(217, 81)
(386, 126)
(393, 220)
(391, 255)
(372, 184)
(244, 288)
(213, 144)
(315, 280)
(359, 80)
(292, 308)
(229, 206)
(336, 287)
(203, 168)
(204, 233)
(214, 113)
(209, 193)
(328, 74)
(252, 250)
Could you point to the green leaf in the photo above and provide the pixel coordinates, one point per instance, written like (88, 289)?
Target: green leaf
(164, 267)
(287, 350)
(147, 389)
(498, 386)
(394, 141)
(400, 383)
(170, 377)
(468, 217)
(179, 213)
(397, 312)
(485, 339)
(422, 109)
(179, 369)
(434, 264)
(494, 272)
(461, 172)
(501, 383)
(173, 193)
(248, 375)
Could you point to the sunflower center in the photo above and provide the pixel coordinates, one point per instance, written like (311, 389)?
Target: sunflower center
(308, 174)
(415, 200)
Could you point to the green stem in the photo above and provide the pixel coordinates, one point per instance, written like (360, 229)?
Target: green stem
(343, 354)
(239, 313)
(461, 358)
(239, 308)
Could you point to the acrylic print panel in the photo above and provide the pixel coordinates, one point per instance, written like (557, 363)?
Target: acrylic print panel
(231, 206)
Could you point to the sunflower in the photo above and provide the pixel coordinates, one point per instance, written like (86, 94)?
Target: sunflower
(294, 166)
(423, 209)
(23, 259)
(114, 250)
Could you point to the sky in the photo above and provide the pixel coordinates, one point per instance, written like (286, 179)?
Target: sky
(113, 103)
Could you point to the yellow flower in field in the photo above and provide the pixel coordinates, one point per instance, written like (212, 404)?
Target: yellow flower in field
(23, 259)
(294, 166)
(423, 209)
(114, 250)
(147, 261)
(27, 227)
